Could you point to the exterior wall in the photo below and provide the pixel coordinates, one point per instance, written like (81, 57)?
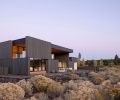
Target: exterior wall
(6, 50)
(72, 63)
(5, 65)
(62, 57)
(52, 66)
(14, 66)
(36, 48)
(20, 66)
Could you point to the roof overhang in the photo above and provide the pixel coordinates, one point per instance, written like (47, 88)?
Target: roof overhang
(60, 50)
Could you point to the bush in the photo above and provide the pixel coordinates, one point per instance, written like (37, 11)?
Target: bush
(111, 73)
(106, 84)
(41, 96)
(44, 84)
(71, 85)
(96, 78)
(117, 85)
(26, 86)
(41, 83)
(10, 91)
(85, 90)
(59, 98)
(55, 90)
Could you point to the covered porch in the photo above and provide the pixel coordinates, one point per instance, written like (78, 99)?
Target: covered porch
(62, 55)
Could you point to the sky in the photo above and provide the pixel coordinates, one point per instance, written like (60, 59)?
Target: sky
(91, 27)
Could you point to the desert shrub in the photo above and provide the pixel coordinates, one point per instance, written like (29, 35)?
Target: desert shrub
(31, 98)
(41, 83)
(69, 76)
(106, 84)
(55, 89)
(85, 91)
(72, 95)
(41, 96)
(74, 77)
(96, 78)
(26, 86)
(114, 93)
(58, 98)
(104, 93)
(109, 92)
(44, 84)
(114, 79)
(10, 91)
(111, 73)
(117, 85)
(71, 85)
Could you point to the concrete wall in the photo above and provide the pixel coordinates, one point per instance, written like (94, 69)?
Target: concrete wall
(52, 66)
(6, 50)
(36, 48)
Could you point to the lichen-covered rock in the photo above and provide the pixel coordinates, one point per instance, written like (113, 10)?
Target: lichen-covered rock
(26, 86)
(10, 91)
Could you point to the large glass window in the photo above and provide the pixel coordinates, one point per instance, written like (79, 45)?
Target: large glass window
(19, 52)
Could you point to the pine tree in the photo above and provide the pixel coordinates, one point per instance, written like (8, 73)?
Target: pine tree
(79, 56)
(116, 60)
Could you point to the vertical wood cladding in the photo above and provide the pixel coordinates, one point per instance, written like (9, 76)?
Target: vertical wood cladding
(19, 66)
(36, 48)
(52, 66)
(6, 50)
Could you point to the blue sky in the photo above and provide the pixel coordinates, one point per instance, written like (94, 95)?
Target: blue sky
(91, 27)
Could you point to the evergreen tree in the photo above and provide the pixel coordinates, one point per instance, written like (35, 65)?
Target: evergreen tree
(79, 56)
(116, 60)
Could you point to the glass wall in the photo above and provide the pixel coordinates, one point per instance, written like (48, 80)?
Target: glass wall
(19, 52)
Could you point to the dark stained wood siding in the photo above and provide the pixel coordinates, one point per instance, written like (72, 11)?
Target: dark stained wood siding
(19, 66)
(36, 48)
(6, 50)
(52, 66)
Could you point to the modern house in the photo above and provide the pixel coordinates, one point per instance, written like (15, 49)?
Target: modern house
(22, 56)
